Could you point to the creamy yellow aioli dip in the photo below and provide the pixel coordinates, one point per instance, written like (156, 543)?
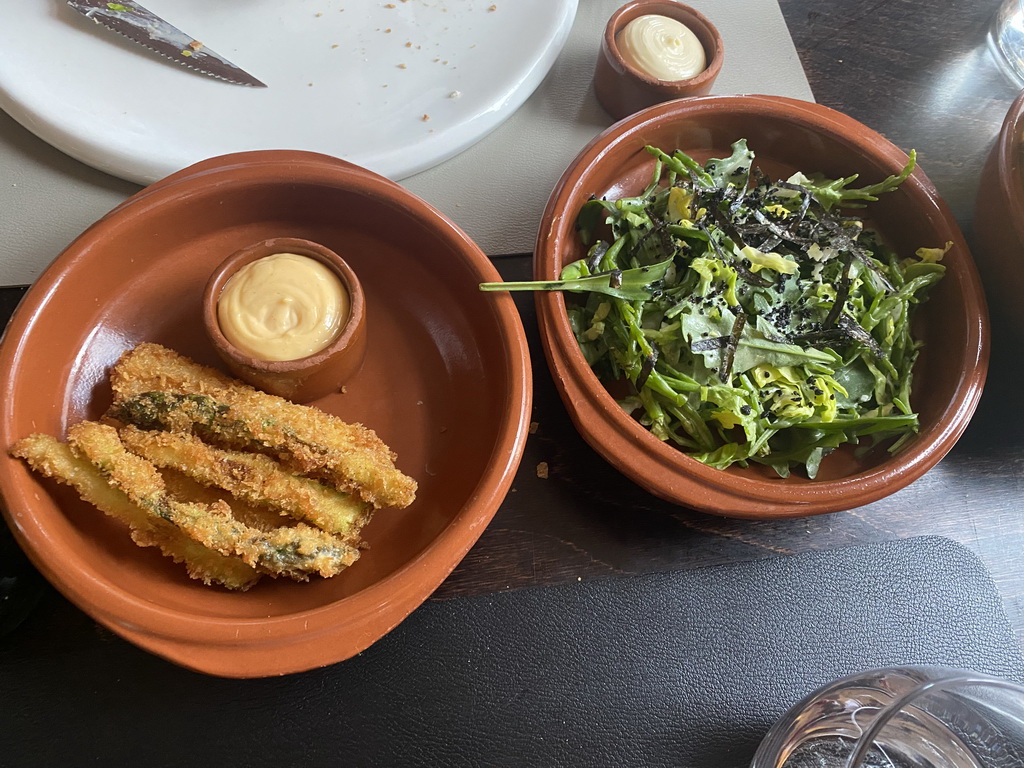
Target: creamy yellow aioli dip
(664, 48)
(283, 307)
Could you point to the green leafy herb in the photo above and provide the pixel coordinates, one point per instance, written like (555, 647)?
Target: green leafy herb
(638, 283)
(754, 322)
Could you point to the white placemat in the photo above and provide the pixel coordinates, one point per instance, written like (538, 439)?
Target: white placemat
(497, 189)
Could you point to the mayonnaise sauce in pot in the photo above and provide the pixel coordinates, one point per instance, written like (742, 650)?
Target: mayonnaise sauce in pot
(662, 48)
(283, 307)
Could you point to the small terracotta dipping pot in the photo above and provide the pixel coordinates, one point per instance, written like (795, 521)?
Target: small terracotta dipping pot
(622, 89)
(306, 378)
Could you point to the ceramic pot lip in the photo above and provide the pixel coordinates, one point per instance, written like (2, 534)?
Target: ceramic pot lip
(667, 471)
(698, 23)
(999, 217)
(1008, 147)
(353, 329)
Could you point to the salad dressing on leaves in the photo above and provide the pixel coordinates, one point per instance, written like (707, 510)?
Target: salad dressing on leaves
(283, 307)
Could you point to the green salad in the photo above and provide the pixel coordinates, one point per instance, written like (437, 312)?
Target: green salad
(752, 319)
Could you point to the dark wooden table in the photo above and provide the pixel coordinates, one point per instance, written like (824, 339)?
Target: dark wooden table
(919, 72)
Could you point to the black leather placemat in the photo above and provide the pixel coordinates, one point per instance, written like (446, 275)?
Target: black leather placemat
(10, 295)
(686, 668)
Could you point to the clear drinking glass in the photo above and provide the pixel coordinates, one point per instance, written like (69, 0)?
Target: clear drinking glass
(1006, 38)
(904, 717)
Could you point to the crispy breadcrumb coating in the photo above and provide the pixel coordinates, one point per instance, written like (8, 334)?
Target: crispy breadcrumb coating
(228, 480)
(254, 478)
(54, 459)
(294, 552)
(156, 388)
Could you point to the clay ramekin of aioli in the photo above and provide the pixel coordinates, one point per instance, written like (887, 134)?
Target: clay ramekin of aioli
(288, 316)
(654, 51)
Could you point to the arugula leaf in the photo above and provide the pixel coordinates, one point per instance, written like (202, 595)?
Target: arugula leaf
(830, 192)
(733, 170)
(637, 284)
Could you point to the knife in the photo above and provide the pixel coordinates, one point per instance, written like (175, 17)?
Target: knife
(130, 19)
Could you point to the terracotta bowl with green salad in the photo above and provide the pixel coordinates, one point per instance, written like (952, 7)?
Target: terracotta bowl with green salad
(758, 307)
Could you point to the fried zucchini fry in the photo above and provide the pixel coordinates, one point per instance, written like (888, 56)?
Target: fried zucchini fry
(254, 478)
(156, 388)
(184, 488)
(293, 552)
(54, 459)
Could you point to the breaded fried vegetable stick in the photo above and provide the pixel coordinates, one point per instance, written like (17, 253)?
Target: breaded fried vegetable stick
(301, 447)
(184, 488)
(254, 478)
(293, 552)
(54, 459)
(156, 388)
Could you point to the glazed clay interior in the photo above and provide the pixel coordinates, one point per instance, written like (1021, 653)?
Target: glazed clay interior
(442, 383)
(948, 375)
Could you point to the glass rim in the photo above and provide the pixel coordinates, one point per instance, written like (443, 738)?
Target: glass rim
(923, 679)
(958, 679)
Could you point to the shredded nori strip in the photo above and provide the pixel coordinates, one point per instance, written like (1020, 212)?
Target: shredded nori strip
(725, 371)
(647, 368)
(709, 345)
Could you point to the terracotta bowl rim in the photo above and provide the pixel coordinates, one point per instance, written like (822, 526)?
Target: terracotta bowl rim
(692, 483)
(175, 633)
(1010, 174)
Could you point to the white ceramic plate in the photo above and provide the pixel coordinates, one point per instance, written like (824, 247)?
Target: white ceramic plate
(395, 86)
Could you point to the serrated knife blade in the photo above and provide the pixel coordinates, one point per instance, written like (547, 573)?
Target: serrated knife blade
(144, 27)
